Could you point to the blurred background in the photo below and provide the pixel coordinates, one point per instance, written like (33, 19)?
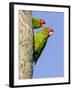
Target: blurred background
(51, 61)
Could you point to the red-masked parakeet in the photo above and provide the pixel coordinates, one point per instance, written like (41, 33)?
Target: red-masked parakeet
(37, 23)
(40, 39)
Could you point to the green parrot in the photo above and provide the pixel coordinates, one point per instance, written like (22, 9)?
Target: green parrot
(37, 23)
(40, 39)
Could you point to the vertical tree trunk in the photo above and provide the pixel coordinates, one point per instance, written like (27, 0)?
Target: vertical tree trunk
(25, 45)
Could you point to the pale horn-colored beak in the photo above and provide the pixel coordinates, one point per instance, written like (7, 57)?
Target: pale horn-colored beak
(50, 32)
(43, 25)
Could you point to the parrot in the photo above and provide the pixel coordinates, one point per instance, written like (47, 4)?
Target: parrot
(40, 39)
(37, 23)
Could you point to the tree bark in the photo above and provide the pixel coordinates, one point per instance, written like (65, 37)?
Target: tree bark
(25, 45)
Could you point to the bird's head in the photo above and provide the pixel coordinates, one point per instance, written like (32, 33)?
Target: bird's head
(49, 31)
(42, 22)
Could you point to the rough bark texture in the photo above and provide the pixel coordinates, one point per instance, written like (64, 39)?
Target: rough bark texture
(25, 45)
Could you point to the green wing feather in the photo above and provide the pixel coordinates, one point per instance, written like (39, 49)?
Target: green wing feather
(40, 39)
(35, 23)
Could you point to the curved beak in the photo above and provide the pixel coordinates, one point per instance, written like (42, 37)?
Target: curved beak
(42, 22)
(50, 31)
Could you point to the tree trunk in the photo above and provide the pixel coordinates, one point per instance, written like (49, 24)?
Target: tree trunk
(25, 45)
